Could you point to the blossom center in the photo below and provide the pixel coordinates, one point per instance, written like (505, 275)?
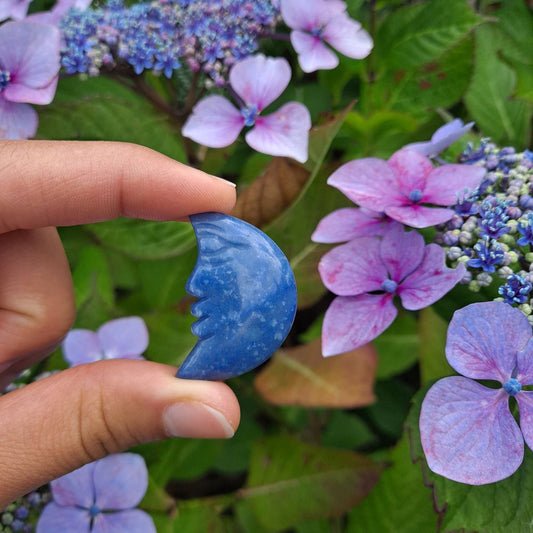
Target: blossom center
(512, 387)
(249, 113)
(317, 32)
(389, 285)
(94, 510)
(5, 78)
(415, 195)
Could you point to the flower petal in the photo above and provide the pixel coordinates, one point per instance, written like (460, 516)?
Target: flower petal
(283, 133)
(259, 80)
(349, 223)
(483, 339)
(17, 121)
(313, 54)
(369, 182)
(401, 251)
(120, 481)
(123, 337)
(18, 92)
(411, 170)
(525, 404)
(75, 488)
(309, 14)
(214, 122)
(468, 433)
(430, 281)
(524, 364)
(81, 346)
(352, 321)
(347, 36)
(30, 52)
(55, 518)
(446, 184)
(442, 138)
(131, 521)
(353, 268)
(419, 216)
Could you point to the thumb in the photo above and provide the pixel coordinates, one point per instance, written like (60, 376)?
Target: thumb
(60, 423)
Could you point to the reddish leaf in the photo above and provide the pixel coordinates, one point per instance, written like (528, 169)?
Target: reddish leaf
(272, 192)
(301, 376)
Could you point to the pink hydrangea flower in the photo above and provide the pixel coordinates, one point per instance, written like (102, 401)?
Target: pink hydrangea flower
(256, 81)
(14, 9)
(122, 338)
(368, 272)
(403, 186)
(315, 22)
(29, 67)
(100, 497)
(467, 430)
(442, 138)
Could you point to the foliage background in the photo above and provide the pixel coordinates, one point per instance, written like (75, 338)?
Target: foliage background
(324, 445)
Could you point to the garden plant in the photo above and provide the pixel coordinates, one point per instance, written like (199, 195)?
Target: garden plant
(385, 146)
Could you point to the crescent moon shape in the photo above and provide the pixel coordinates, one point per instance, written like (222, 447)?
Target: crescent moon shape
(246, 298)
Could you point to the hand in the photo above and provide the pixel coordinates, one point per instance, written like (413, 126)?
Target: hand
(56, 425)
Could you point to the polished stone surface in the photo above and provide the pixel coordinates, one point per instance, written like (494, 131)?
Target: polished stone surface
(246, 298)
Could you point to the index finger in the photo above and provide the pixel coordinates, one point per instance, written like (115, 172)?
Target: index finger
(62, 183)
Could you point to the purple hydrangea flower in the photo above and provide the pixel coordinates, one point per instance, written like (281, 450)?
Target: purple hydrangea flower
(257, 81)
(468, 432)
(123, 338)
(29, 67)
(100, 497)
(401, 186)
(442, 138)
(315, 22)
(15, 9)
(368, 272)
(349, 223)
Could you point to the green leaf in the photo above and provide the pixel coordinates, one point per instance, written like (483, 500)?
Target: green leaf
(145, 239)
(524, 82)
(347, 431)
(387, 509)
(515, 20)
(180, 459)
(197, 516)
(498, 507)
(92, 273)
(163, 282)
(156, 500)
(101, 109)
(506, 121)
(292, 482)
(422, 35)
(170, 336)
(397, 347)
(440, 83)
(433, 329)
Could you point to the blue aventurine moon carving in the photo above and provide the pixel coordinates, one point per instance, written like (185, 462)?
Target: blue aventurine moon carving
(246, 298)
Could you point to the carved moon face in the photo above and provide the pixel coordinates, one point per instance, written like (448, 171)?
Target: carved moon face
(246, 298)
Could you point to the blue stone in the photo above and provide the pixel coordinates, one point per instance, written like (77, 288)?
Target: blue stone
(246, 298)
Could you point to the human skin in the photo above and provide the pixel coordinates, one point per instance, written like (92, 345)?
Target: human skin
(56, 425)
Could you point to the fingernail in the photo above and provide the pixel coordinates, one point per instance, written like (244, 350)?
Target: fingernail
(234, 185)
(195, 420)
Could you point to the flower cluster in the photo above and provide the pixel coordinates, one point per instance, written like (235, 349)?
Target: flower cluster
(163, 34)
(19, 515)
(381, 260)
(491, 231)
